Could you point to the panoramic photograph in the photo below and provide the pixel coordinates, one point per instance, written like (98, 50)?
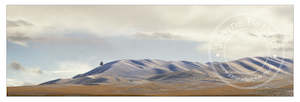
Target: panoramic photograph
(150, 50)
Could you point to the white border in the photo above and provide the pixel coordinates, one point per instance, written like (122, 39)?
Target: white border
(150, 2)
(4, 98)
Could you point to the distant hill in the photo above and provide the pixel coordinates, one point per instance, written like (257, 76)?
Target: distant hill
(153, 70)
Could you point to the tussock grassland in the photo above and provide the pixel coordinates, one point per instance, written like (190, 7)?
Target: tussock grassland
(148, 89)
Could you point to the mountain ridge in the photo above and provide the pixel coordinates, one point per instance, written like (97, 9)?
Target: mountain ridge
(155, 70)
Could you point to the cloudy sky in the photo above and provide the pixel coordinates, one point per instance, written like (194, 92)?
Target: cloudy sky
(49, 42)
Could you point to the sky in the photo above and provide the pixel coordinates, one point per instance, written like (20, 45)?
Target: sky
(50, 42)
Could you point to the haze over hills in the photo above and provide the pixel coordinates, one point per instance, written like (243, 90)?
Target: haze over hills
(143, 71)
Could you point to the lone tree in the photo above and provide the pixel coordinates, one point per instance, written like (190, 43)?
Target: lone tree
(101, 63)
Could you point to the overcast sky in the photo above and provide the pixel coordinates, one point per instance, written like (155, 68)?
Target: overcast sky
(49, 42)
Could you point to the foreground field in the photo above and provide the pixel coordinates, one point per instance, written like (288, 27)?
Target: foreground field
(150, 89)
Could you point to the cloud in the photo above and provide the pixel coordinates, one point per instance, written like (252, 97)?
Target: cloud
(36, 70)
(11, 24)
(67, 69)
(195, 23)
(189, 21)
(19, 31)
(285, 46)
(18, 38)
(239, 44)
(16, 66)
(24, 35)
(15, 82)
(286, 12)
(283, 43)
(252, 34)
(21, 75)
(17, 23)
(71, 37)
(19, 67)
(157, 35)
